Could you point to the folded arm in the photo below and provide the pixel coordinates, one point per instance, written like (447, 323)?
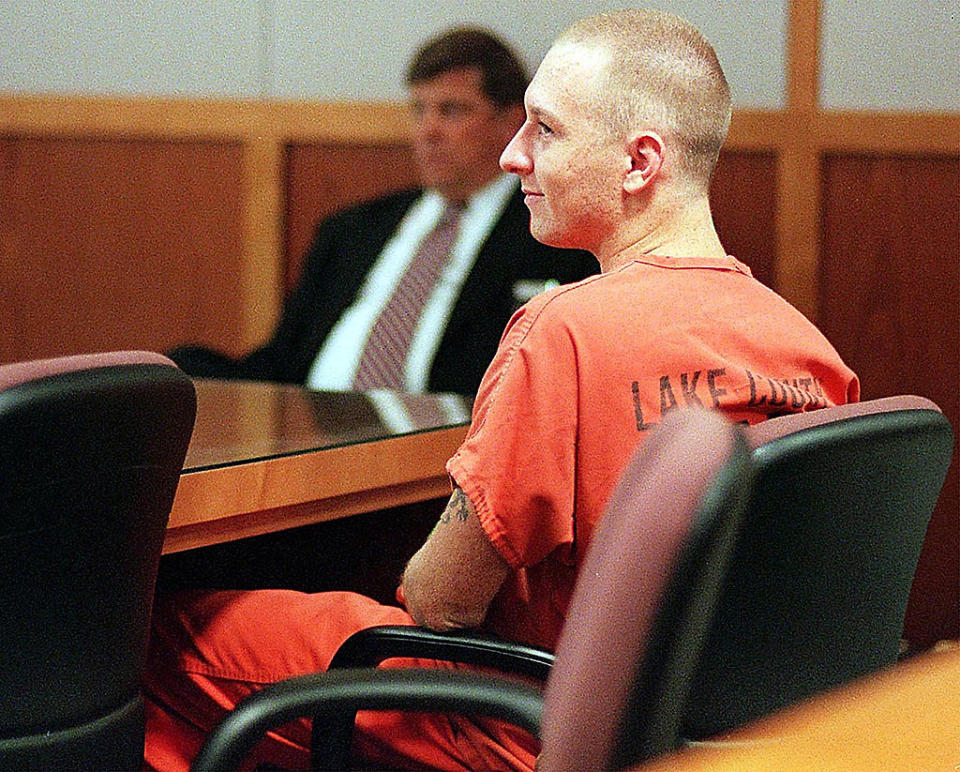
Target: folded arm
(451, 580)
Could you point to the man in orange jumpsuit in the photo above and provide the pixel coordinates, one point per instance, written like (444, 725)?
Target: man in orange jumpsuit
(624, 122)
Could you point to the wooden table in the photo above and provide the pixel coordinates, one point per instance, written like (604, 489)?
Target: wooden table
(265, 457)
(905, 718)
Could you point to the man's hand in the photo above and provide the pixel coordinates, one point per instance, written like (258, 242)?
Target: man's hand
(450, 582)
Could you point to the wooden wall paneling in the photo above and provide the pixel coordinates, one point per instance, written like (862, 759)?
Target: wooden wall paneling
(797, 181)
(888, 133)
(117, 243)
(803, 55)
(889, 294)
(261, 272)
(322, 178)
(8, 234)
(743, 194)
(797, 226)
(177, 118)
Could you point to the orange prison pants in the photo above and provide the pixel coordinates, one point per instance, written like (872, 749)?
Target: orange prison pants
(210, 649)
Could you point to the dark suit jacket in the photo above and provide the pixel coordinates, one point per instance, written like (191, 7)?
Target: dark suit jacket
(344, 249)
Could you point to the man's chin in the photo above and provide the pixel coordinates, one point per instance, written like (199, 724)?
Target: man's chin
(546, 235)
(446, 186)
(434, 179)
(436, 175)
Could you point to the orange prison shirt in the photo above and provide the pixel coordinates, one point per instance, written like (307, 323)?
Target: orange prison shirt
(584, 371)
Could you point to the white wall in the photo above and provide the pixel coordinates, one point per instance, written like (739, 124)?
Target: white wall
(884, 55)
(342, 49)
(878, 54)
(189, 47)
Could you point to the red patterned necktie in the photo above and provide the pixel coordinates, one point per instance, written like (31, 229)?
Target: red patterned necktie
(385, 352)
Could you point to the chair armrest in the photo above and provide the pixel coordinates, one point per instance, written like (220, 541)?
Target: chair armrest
(332, 693)
(333, 734)
(370, 647)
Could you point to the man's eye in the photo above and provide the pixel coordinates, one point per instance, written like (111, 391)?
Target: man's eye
(453, 110)
(543, 129)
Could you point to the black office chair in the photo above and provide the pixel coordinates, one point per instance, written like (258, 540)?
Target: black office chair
(91, 450)
(629, 646)
(818, 585)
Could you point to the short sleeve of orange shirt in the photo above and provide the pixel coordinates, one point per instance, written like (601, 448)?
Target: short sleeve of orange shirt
(518, 465)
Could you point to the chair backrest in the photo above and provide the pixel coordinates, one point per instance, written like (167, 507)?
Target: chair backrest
(91, 450)
(644, 597)
(818, 585)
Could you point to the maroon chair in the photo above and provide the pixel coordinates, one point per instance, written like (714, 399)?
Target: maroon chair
(630, 644)
(818, 584)
(645, 598)
(91, 450)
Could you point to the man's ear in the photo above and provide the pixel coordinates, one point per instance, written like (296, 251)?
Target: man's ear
(646, 151)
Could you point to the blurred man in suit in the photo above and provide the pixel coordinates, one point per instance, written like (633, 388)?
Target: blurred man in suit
(363, 314)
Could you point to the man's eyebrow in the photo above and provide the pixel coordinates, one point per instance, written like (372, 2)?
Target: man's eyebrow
(442, 104)
(541, 113)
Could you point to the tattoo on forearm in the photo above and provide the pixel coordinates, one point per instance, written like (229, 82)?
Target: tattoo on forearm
(458, 507)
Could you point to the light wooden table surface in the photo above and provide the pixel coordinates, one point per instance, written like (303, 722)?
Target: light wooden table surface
(267, 457)
(904, 718)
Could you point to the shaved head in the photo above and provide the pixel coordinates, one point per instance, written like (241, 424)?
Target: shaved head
(662, 75)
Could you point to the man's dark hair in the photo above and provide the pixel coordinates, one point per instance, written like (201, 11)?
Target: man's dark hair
(503, 76)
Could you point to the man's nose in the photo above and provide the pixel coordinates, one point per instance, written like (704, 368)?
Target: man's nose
(514, 158)
(429, 124)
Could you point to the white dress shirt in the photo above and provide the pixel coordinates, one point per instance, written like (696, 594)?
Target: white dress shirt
(336, 363)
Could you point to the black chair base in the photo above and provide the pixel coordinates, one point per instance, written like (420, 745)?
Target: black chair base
(110, 743)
